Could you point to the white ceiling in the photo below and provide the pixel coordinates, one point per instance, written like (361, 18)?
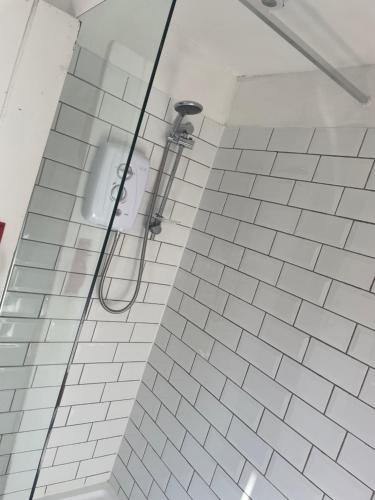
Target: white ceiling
(341, 30)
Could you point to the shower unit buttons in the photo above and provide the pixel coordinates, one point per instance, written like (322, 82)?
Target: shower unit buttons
(104, 184)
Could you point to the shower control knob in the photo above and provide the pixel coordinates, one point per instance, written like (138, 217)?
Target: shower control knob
(121, 170)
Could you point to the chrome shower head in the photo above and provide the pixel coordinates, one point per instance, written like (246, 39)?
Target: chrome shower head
(188, 108)
(185, 108)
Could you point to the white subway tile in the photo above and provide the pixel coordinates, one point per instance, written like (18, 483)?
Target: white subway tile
(180, 353)
(305, 284)
(99, 72)
(132, 352)
(342, 171)
(357, 204)
(255, 237)
(362, 239)
(290, 482)
(259, 353)
(271, 189)
(362, 345)
(276, 302)
(333, 479)
(283, 439)
(295, 166)
(120, 390)
(198, 458)
(199, 242)
(194, 311)
(109, 428)
(358, 459)
(213, 410)
(261, 267)
(198, 340)
(228, 363)
(81, 126)
(279, 217)
(173, 321)
(242, 405)
(164, 391)
(224, 453)
(324, 325)
(353, 415)
(346, 266)
(256, 162)
(304, 383)
(244, 315)
(315, 427)
(295, 250)
(52, 203)
(336, 366)
(237, 183)
(266, 391)
(177, 464)
(226, 159)
(156, 467)
(171, 426)
(253, 483)
(208, 269)
(291, 139)
(185, 384)
(225, 488)
(223, 330)
(284, 337)
(74, 452)
(324, 228)
(241, 208)
(367, 393)
(317, 197)
(253, 138)
(249, 444)
(229, 137)
(198, 489)
(368, 148)
(238, 284)
(352, 303)
(208, 376)
(223, 227)
(12, 354)
(343, 141)
(141, 475)
(226, 253)
(152, 435)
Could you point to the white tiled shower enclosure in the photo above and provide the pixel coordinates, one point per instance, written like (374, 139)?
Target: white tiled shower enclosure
(55, 263)
(261, 382)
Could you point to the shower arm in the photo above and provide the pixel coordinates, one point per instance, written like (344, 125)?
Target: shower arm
(314, 57)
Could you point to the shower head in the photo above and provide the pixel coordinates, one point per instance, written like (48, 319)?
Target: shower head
(185, 108)
(188, 108)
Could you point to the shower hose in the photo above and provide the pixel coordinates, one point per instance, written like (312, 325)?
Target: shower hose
(117, 236)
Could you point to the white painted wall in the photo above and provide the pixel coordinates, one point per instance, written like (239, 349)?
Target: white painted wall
(40, 46)
(307, 99)
(186, 71)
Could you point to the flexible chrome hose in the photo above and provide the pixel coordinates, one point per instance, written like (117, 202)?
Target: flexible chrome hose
(102, 299)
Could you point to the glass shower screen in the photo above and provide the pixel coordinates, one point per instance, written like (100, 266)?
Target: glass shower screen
(52, 326)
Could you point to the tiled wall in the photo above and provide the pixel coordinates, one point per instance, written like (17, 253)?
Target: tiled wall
(55, 262)
(261, 384)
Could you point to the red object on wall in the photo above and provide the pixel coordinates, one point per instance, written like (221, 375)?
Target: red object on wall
(2, 228)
